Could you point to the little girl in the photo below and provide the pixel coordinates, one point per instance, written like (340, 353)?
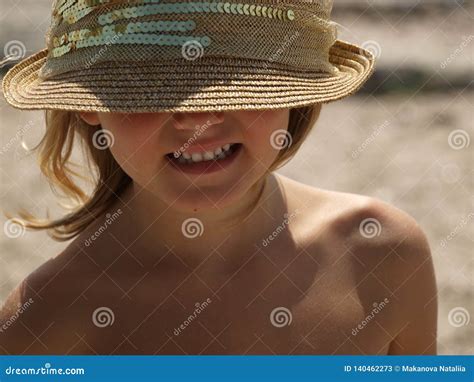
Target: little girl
(190, 243)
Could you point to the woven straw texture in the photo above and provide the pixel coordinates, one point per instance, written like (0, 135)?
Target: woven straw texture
(254, 55)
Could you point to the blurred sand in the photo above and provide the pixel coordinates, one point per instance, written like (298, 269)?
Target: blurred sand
(395, 147)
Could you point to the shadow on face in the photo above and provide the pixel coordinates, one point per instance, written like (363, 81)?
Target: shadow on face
(144, 145)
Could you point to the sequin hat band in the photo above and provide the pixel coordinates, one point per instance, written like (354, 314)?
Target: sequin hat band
(286, 50)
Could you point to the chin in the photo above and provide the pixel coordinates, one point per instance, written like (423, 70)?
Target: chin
(194, 200)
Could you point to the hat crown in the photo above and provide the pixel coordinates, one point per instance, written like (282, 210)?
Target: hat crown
(297, 33)
(61, 9)
(138, 56)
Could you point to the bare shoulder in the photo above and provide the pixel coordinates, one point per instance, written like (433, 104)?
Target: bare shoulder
(387, 253)
(360, 222)
(390, 251)
(40, 315)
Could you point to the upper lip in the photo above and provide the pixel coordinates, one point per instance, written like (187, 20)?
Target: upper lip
(199, 147)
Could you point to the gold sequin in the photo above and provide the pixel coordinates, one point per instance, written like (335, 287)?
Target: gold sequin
(252, 10)
(143, 32)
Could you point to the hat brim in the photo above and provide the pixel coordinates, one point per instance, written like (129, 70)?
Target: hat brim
(206, 84)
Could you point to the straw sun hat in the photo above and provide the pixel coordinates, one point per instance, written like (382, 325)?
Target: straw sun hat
(182, 56)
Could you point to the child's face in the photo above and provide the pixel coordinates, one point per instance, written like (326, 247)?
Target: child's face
(142, 140)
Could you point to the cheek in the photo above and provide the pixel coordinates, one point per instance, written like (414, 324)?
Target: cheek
(265, 137)
(135, 156)
(134, 146)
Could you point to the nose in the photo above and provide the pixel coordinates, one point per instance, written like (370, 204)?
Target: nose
(192, 121)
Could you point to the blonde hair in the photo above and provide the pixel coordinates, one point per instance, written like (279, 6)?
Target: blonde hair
(109, 180)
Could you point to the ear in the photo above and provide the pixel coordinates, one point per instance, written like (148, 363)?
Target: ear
(91, 118)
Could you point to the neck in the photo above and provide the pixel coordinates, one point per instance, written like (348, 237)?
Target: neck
(195, 234)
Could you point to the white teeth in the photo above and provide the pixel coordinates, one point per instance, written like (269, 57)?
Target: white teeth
(219, 153)
(197, 157)
(208, 155)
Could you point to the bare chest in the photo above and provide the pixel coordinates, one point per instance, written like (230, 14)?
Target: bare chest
(261, 307)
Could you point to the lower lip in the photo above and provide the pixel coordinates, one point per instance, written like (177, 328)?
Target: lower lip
(207, 167)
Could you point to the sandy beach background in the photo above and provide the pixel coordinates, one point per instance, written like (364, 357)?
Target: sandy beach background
(405, 138)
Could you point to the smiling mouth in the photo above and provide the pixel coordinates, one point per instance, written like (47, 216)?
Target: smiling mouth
(205, 156)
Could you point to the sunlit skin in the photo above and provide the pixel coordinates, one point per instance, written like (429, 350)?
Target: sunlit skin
(318, 264)
(164, 198)
(142, 140)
